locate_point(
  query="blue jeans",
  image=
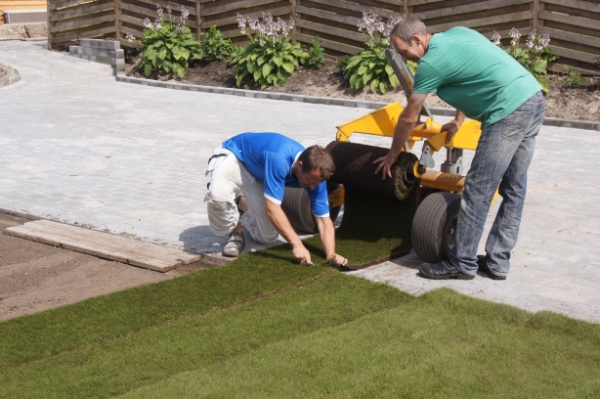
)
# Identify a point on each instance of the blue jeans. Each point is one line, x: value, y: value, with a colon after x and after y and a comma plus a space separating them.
x: 503, y: 155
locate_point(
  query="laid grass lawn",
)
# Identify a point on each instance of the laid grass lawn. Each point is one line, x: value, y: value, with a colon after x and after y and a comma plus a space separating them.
x: 264, y: 327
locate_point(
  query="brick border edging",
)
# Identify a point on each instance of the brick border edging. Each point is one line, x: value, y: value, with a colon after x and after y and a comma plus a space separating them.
x: 110, y: 52
x: 99, y: 50
x: 121, y: 77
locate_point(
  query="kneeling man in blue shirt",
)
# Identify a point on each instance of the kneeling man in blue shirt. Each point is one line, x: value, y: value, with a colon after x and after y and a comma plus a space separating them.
x: 249, y: 174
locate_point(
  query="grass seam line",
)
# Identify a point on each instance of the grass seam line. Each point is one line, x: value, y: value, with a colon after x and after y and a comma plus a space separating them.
x: 189, y: 316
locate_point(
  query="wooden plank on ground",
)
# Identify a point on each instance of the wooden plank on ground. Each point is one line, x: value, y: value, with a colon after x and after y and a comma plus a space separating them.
x: 121, y: 249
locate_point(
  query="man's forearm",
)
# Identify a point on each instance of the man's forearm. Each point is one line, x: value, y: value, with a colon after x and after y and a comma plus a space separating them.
x: 407, y: 121
x: 281, y: 223
x: 459, y: 118
x: 327, y: 232
x: 401, y: 133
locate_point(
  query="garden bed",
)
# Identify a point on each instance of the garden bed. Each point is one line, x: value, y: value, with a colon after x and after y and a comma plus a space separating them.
x: 563, y: 102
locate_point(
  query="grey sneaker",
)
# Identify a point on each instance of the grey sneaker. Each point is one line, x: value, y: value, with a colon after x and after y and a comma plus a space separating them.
x: 234, y: 245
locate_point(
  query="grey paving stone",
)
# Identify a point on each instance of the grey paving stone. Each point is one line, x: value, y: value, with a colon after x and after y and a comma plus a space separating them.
x: 78, y: 114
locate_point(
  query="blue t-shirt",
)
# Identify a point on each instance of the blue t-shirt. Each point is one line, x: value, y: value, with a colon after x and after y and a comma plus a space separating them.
x: 269, y: 158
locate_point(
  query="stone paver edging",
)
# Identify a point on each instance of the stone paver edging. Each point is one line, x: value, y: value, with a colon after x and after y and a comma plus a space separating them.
x: 121, y: 77
x: 109, y: 52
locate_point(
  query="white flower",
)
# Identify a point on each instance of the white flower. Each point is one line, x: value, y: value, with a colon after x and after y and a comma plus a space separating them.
x: 496, y: 38
x: 514, y: 33
x: 531, y: 39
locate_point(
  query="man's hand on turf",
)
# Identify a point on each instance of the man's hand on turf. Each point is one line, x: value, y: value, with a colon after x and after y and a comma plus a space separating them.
x: 301, y: 254
x: 337, y: 260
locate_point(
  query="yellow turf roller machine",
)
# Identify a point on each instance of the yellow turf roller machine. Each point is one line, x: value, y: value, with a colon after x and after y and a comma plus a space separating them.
x: 434, y: 223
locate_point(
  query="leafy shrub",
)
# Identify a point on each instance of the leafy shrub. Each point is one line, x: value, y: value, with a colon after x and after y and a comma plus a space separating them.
x: 316, y: 54
x: 342, y: 63
x: 534, y: 56
x: 168, y: 46
x: 370, y: 67
x: 270, y: 58
x: 573, y: 79
x: 412, y: 66
x: 214, y: 46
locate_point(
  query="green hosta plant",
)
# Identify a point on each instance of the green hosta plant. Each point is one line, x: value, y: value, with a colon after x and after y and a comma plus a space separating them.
x: 270, y: 57
x: 168, y: 46
x: 370, y: 67
x: 534, y: 56
x: 214, y: 46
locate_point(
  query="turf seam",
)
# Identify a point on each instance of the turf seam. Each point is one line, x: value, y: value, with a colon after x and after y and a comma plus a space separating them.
x: 189, y: 316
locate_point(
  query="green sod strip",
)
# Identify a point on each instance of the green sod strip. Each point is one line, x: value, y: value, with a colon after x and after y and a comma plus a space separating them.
x: 44, y: 334
x: 362, y: 241
x: 373, y: 229
x: 441, y: 345
x: 119, y: 365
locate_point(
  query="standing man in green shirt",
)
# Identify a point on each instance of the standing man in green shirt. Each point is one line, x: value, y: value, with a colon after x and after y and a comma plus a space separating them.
x: 484, y: 83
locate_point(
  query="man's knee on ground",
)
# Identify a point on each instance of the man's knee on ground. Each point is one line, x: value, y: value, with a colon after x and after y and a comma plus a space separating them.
x: 223, y: 216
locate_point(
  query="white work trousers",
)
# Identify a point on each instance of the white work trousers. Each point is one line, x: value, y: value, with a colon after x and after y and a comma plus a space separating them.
x: 229, y: 179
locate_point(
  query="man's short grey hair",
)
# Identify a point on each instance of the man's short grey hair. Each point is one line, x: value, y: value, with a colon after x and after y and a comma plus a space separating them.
x: 407, y: 28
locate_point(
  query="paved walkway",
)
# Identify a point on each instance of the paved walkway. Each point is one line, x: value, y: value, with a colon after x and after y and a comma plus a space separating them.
x: 78, y: 147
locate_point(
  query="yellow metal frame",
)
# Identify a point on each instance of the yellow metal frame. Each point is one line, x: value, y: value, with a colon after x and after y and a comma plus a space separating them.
x: 382, y: 122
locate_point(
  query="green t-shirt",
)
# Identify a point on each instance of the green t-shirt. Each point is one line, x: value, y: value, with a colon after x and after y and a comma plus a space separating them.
x: 469, y: 72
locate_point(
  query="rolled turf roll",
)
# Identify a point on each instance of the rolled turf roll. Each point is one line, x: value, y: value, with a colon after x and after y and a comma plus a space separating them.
x: 354, y: 168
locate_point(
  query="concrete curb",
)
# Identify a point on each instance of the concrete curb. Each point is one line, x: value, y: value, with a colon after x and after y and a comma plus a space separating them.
x: 121, y: 77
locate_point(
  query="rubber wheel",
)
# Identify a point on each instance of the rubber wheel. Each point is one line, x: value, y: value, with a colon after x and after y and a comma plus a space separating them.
x: 296, y: 206
x: 434, y: 226
x: 425, y: 191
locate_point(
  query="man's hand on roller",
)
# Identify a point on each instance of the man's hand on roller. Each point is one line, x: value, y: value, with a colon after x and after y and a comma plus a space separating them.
x: 451, y: 128
x: 385, y: 164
